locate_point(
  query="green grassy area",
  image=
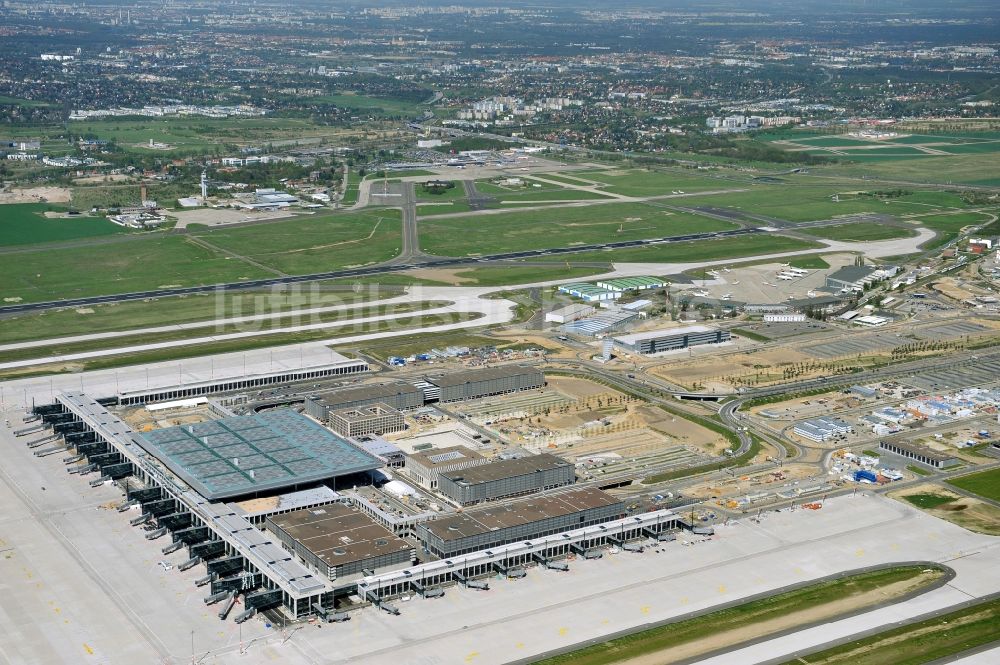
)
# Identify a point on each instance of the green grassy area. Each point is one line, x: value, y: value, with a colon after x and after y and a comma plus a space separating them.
x: 749, y: 334
x: 921, y: 642
x: 304, y: 244
x: 193, y: 135
x: 641, y: 182
x: 549, y: 194
x: 808, y: 199
x: 559, y: 227
x: 25, y: 103
x: 131, y: 266
x: 655, y: 642
x: 985, y: 484
x: 808, y: 262
x: 232, y: 346
x: 696, y: 250
x: 318, y: 243
x: 953, y: 170
x: 514, y: 274
x: 947, y: 227
x: 384, y: 106
x: 425, y: 208
x: 352, y: 191
x: 409, y: 173
x: 26, y: 224
x: 456, y: 193
x: 189, y: 308
x: 919, y: 470
x: 860, y: 232
x: 928, y: 500
x: 210, y: 329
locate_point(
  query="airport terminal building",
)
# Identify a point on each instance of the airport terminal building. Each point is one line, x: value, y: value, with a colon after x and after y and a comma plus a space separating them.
x: 485, y: 527
x: 506, y: 478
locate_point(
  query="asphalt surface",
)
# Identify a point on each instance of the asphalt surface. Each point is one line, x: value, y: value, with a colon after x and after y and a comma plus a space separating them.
x: 366, y: 271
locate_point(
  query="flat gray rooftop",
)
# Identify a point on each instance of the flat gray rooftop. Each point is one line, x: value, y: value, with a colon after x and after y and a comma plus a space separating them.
x: 365, y: 393
x: 484, y: 374
x: 508, y: 468
x: 254, y: 453
x: 516, y: 513
x: 339, y: 534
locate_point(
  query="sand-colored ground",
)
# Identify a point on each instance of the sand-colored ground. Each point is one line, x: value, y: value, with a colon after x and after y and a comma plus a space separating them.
x: 950, y: 288
x: 755, y: 630
x: 966, y: 512
x: 754, y: 483
x: 446, y: 275
x: 712, y: 371
x: 101, y: 179
x: 579, y: 388
x: 35, y: 195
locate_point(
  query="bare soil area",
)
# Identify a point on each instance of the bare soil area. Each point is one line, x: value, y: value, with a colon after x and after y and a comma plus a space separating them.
x: 35, y: 195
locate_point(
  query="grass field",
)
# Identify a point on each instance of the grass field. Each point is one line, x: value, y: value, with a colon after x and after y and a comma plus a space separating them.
x: 299, y: 245
x: 317, y: 243
x: 696, y: 250
x: 232, y: 346
x: 559, y: 227
x: 858, y: 232
x: 212, y: 329
x: 811, y: 200
x: 928, y: 501
x: 131, y: 266
x: 640, y: 182
x: 974, y: 169
x: 655, y: 644
x: 947, y: 227
x: 985, y: 484
x: 180, y: 309
x: 25, y: 224
x: 192, y: 135
x: 921, y: 642
x: 391, y: 107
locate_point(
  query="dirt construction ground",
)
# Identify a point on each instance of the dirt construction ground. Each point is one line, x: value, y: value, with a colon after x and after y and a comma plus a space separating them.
x: 35, y: 195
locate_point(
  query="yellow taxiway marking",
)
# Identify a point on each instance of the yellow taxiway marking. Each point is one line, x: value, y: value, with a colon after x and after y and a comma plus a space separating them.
x: 86, y: 647
x: 859, y: 552
x: 564, y: 631
x: 644, y: 609
x: 519, y: 645
x: 472, y: 656
x: 684, y: 600
x: 722, y: 588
